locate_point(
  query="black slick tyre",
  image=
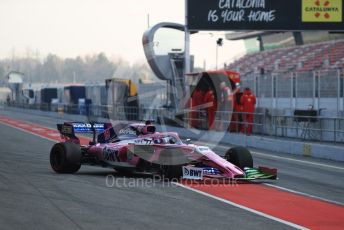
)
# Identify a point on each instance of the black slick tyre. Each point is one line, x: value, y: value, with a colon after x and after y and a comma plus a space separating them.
x: 240, y: 157
x: 65, y: 157
x: 172, y: 171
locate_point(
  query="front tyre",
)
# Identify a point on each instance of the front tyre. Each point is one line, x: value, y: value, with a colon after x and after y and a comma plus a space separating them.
x: 172, y: 171
x: 171, y: 161
x: 240, y: 157
x: 65, y: 157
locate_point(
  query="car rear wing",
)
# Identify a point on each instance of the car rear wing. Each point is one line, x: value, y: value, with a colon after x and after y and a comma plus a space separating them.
x: 69, y: 129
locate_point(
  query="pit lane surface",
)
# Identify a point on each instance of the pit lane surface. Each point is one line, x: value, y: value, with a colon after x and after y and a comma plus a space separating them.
x: 79, y: 200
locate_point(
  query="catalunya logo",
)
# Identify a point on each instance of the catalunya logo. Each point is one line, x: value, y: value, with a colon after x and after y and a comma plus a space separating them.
x: 322, y: 10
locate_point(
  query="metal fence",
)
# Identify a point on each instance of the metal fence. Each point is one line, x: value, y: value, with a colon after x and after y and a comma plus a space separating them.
x: 312, y: 128
x: 289, y: 91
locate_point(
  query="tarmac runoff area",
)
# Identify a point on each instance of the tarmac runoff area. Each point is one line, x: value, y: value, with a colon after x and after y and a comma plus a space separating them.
x: 308, y: 193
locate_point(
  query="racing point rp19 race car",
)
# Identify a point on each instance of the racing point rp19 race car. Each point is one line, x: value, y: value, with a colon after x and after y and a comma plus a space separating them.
x: 138, y: 147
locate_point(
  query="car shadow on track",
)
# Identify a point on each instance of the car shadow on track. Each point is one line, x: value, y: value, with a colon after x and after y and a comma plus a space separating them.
x: 116, y: 174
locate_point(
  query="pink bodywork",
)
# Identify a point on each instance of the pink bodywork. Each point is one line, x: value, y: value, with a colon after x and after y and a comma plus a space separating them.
x: 119, y: 152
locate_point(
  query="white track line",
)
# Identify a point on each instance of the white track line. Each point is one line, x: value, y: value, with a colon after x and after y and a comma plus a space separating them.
x: 36, y: 134
x: 304, y: 194
x: 242, y: 207
x: 299, y: 161
x: 27, y: 131
x: 290, y: 159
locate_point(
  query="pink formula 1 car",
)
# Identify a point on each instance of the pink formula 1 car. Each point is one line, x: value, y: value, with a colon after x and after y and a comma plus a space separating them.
x: 139, y: 148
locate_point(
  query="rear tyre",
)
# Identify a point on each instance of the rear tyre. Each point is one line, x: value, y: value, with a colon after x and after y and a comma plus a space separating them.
x: 124, y: 171
x: 240, y: 157
x: 65, y: 157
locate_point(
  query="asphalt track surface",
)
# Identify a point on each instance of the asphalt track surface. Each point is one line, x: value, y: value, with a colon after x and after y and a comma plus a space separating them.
x: 32, y: 196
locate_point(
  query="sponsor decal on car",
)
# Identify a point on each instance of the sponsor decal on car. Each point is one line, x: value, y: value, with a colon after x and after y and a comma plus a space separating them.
x: 87, y: 127
x: 110, y: 154
x: 203, y: 149
x: 82, y: 125
x: 127, y: 131
x: 145, y: 141
x: 192, y: 173
x: 211, y: 171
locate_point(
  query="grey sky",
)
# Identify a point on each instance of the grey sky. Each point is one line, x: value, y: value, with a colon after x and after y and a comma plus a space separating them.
x: 70, y: 28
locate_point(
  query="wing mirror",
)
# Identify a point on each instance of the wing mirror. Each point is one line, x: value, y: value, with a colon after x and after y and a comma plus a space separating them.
x: 188, y: 141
